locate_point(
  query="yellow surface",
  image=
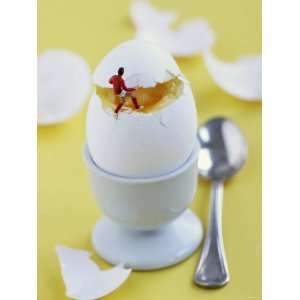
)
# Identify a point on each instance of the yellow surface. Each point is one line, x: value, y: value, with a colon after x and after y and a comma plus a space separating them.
x: 66, y: 208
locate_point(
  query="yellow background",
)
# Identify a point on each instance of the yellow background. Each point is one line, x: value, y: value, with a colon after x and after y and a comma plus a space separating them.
x: 66, y: 206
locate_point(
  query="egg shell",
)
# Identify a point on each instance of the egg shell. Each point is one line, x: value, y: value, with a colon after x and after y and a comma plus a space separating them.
x: 138, y: 58
x: 64, y: 84
x: 241, y: 78
x: 142, y: 145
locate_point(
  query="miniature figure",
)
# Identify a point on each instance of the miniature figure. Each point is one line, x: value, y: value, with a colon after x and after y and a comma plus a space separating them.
x: 121, y: 91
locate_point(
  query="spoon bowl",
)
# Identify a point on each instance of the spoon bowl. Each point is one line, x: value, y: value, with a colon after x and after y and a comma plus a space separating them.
x: 223, y: 149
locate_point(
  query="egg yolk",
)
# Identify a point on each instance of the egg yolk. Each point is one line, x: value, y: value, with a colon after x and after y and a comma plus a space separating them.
x: 150, y: 99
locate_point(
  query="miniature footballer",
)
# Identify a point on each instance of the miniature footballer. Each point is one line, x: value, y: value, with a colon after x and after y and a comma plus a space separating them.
x: 121, y: 91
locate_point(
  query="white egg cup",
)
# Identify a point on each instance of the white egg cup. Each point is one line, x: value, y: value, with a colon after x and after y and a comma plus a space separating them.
x: 147, y: 224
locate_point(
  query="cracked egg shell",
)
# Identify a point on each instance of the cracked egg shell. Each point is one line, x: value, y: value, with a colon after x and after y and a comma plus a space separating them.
x: 140, y: 144
x: 137, y: 58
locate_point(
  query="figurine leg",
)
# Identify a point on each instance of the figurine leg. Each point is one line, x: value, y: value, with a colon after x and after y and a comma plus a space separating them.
x: 119, y: 106
x: 134, y: 101
x: 117, y: 100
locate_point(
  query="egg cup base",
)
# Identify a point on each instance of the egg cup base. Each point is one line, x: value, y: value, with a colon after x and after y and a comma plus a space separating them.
x: 148, y: 249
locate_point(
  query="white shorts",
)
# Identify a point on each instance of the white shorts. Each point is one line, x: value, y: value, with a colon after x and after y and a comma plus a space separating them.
x: 123, y: 94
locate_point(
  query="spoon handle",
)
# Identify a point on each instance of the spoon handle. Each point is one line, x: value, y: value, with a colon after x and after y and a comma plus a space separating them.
x: 212, y: 270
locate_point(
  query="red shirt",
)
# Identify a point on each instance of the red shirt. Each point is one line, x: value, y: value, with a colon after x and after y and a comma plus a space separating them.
x: 118, y: 84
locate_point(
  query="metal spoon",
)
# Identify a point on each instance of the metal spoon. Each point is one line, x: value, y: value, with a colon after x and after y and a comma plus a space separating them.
x: 223, y: 151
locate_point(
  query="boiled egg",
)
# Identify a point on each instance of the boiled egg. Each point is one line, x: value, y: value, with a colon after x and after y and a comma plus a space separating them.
x: 157, y: 138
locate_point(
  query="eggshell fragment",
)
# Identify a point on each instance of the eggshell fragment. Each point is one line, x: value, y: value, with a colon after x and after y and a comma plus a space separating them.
x: 64, y: 83
x: 84, y: 280
x: 145, y: 16
x: 242, y: 78
x: 192, y: 37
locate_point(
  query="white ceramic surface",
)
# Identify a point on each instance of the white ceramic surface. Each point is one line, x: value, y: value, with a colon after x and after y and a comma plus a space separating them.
x: 148, y: 226
x: 147, y: 250
x: 144, y: 203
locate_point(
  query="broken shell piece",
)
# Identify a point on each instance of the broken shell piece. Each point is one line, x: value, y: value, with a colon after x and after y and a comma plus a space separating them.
x: 241, y: 78
x: 83, y: 279
x: 191, y: 38
x: 145, y: 16
x: 64, y: 83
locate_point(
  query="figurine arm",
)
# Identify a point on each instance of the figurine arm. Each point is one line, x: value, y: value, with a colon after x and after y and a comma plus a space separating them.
x: 127, y: 89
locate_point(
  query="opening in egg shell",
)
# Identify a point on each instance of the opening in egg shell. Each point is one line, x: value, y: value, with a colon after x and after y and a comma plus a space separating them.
x: 149, y: 99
